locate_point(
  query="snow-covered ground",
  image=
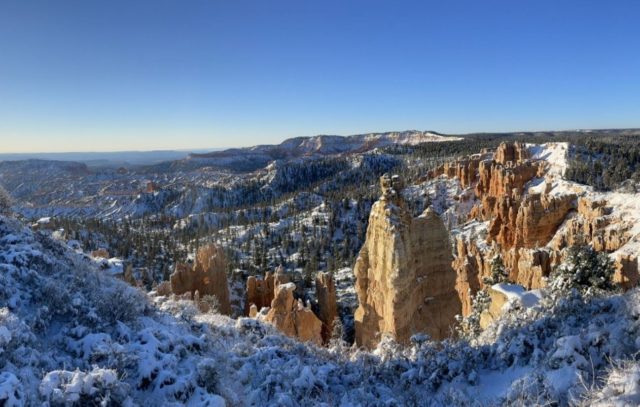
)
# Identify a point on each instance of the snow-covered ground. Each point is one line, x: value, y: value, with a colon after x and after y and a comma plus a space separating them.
x: 625, y: 206
x: 71, y: 334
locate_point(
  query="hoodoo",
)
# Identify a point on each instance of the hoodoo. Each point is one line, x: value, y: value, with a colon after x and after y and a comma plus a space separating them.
x: 292, y: 317
x: 327, y: 303
x: 404, y: 278
x: 207, y: 277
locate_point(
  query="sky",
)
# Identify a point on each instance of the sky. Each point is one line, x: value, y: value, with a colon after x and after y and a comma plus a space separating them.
x: 91, y: 75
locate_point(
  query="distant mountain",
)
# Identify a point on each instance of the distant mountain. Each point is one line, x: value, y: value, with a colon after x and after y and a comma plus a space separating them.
x: 105, y: 159
x: 252, y: 158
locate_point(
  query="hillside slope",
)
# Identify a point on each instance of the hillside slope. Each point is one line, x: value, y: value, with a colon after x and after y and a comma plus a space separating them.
x: 70, y: 334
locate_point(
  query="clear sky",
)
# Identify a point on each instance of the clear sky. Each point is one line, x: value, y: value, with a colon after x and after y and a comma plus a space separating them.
x: 87, y: 75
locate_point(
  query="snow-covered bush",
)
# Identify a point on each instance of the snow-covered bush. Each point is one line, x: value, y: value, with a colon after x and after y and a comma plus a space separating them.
x: 621, y: 387
x: 11, y: 391
x: 208, y: 375
x: 100, y: 387
x: 212, y: 305
x: 122, y: 303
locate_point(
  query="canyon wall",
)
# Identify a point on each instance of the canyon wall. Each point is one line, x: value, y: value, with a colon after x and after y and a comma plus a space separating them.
x: 529, y: 215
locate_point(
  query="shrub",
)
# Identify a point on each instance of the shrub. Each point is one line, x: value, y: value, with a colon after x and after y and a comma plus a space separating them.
x: 121, y: 303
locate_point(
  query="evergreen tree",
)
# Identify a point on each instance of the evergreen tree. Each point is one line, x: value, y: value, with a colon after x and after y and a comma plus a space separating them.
x: 499, y: 274
x: 584, y: 269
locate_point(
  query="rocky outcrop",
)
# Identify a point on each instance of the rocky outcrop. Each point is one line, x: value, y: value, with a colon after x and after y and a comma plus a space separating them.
x: 471, y: 267
x: 164, y: 288
x: 627, y: 272
x: 100, y: 253
x: 404, y: 279
x: 280, y: 277
x: 253, y: 311
x: 539, y: 217
x: 529, y: 221
x: 274, y: 295
x: 207, y: 276
x: 292, y: 318
x: 259, y: 292
x: 511, y: 153
x: 327, y: 303
x: 498, y: 300
x: 532, y: 267
x: 594, y: 224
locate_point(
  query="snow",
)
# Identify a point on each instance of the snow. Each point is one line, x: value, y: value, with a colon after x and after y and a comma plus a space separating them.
x: 10, y: 390
x: 621, y: 389
x: 493, y: 384
x: 516, y: 292
x: 71, y: 333
x: 555, y: 154
x: 80, y: 336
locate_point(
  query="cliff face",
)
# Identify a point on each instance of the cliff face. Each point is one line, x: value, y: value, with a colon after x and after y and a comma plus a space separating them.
x: 207, y: 277
x: 529, y: 214
x: 404, y: 279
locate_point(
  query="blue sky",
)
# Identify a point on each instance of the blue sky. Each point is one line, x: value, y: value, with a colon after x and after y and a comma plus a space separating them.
x: 117, y: 75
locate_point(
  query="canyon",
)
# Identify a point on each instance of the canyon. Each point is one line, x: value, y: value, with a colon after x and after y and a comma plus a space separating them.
x: 415, y: 274
x: 408, y: 277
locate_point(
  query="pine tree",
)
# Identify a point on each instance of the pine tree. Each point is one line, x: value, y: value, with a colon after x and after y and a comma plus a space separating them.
x: 499, y: 274
x: 584, y: 269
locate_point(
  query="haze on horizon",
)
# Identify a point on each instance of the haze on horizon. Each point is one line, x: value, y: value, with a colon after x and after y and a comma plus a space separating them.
x: 163, y: 75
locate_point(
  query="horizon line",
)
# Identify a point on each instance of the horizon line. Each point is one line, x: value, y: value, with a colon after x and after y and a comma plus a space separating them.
x: 211, y: 149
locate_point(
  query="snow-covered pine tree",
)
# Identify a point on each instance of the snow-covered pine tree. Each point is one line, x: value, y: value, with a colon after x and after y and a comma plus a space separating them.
x: 584, y: 269
x: 499, y: 274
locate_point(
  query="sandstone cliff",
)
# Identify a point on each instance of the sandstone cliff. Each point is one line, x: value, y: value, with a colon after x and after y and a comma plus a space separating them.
x: 404, y: 279
x: 529, y: 214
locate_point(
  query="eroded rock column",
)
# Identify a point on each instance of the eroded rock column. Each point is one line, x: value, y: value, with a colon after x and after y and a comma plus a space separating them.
x: 404, y: 278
